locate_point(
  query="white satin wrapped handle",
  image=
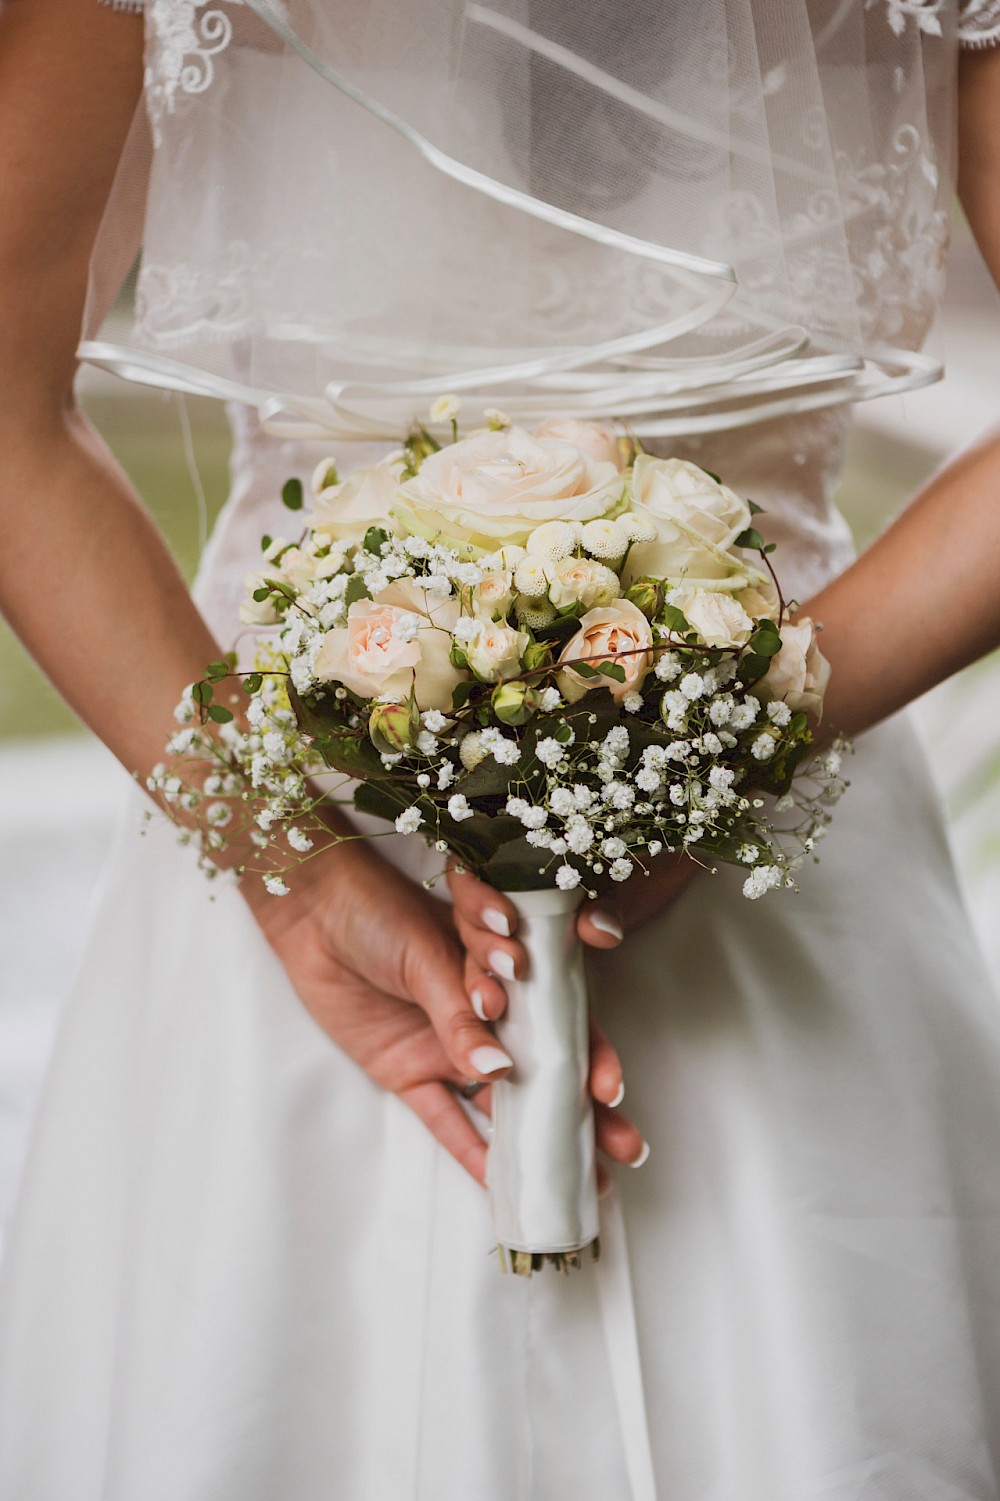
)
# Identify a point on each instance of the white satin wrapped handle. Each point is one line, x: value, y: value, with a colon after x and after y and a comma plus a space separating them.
x: 541, y: 1167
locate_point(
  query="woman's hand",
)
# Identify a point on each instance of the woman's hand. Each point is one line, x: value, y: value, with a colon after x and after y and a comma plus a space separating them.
x: 376, y: 963
x: 487, y: 924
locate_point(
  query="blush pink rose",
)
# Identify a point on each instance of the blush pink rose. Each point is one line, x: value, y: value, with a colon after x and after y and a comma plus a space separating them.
x: 617, y: 633
x: 401, y: 640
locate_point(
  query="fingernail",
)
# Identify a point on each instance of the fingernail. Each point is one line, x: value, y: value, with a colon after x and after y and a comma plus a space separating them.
x: 490, y: 1060
x: 642, y: 1155
x: 501, y: 963
x: 479, y: 1005
x: 497, y: 922
x: 620, y: 1094
x: 605, y: 923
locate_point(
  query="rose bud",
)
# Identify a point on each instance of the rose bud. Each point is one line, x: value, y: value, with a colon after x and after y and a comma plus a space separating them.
x: 391, y: 728
x: 514, y: 703
x: 647, y: 595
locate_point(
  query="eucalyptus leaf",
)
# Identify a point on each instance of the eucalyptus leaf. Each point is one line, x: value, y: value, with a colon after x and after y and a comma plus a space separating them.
x: 292, y: 494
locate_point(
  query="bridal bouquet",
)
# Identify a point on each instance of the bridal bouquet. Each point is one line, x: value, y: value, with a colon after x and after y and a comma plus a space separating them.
x: 556, y: 659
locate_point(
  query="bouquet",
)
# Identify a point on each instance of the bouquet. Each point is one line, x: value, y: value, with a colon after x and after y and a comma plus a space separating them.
x: 557, y: 659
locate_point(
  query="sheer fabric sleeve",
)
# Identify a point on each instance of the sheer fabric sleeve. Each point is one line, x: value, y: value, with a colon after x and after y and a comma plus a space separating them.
x: 979, y: 23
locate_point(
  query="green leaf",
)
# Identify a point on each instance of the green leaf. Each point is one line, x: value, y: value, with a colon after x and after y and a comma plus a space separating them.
x: 675, y: 620
x: 460, y: 693
x: 612, y: 670
x: 216, y: 671
x: 252, y: 682
x: 718, y: 481
x: 374, y: 538
x: 219, y: 714
x: 381, y: 800
x: 356, y: 589
x: 292, y: 495
x: 265, y: 542
x: 765, y: 641
x: 754, y: 508
x: 771, y: 547
x: 750, y: 538
x: 753, y: 666
x: 585, y: 670
x: 202, y: 693
x: 458, y: 659
x: 261, y: 594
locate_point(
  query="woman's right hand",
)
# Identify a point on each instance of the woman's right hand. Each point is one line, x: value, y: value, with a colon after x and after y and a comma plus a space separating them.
x: 375, y: 960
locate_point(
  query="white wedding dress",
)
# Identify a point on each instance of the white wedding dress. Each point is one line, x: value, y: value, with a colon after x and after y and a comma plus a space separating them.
x: 240, y: 1272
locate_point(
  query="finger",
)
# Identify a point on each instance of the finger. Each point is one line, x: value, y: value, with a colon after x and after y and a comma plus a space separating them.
x: 504, y: 957
x: 600, y: 924
x: 481, y: 905
x: 488, y: 997
x: 604, y: 1181
x: 607, y: 1083
x: 448, y: 1123
x: 618, y: 1138
x: 434, y: 980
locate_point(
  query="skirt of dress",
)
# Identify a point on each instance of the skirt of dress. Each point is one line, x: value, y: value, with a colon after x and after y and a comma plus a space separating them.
x: 239, y: 1272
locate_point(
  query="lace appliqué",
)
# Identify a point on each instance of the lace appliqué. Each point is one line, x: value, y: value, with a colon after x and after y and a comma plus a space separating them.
x: 185, y: 38
x: 130, y: 7
x: 979, y: 23
x: 978, y: 20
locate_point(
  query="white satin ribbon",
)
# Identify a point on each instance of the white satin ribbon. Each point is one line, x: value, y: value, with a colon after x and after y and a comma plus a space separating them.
x: 541, y: 1168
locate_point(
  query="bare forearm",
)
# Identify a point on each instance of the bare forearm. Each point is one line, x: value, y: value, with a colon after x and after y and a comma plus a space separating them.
x: 923, y: 601
x: 90, y: 587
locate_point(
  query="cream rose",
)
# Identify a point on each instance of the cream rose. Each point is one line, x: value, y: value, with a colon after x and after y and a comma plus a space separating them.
x: 345, y: 511
x: 718, y: 618
x: 399, y: 641
x: 697, y: 520
x: 799, y: 673
x: 493, y: 596
x: 594, y: 438
x: 494, y: 652
x: 581, y: 581
x: 496, y: 488
x: 614, y: 633
x: 761, y: 600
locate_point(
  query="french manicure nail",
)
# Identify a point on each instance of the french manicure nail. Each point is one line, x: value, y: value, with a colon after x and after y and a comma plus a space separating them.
x: 619, y: 1093
x: 490, y: 1060
x: 497, y: 922
x: 501, y: 963
x: 642, y: 1155
x: 605, y: 923
x: 479, y: 1005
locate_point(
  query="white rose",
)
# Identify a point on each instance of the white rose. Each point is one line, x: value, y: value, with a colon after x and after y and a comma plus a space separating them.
x: 494, y: 652
x: 697, y: 520
x: 346, y: 511
x: 297, y: 568
x: 253, y: 611
x: 377, y: 655
x: 591, y: 437
x: 497, y: 487
x: 799, y: 673
x: 582, y: 581
x: 718, y: 618
x: 493, y: 596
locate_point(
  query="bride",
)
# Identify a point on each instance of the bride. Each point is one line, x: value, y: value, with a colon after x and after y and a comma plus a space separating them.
x: 250, y: 1259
